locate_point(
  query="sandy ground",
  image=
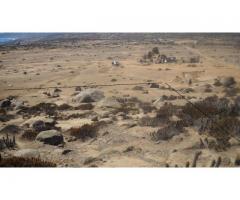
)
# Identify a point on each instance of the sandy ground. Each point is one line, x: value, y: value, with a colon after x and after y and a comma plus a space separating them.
x: 119, y: 144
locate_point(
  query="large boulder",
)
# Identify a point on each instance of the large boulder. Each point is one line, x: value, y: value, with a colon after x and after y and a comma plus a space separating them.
x: 6, y: 103
x: 11, y: 102
x: 227, y: 81
x: 51, y: 137
x: 39, y: 124
x: 88, y: 96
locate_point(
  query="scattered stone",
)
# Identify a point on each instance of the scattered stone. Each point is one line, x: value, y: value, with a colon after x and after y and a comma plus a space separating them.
x: 66, y: 151
x: 51, y: 137
x: 128, y: 149
x: 115, y: 63
x: 94, y: 118
x: 217, y: 82
x: 88, y: 96
x: 227, y: 81
x: 6, y: 103
x: 154, y: 85
x: 39, y: 124
x: 106, y: 120
x: 78, y: 88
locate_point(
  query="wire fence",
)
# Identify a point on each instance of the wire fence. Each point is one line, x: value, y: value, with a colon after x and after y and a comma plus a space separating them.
x: 203, y: 113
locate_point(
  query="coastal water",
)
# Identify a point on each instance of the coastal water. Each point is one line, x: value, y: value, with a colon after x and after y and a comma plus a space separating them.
x: 4, y: 40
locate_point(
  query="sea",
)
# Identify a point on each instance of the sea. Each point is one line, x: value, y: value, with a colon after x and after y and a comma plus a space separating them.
x: 4, y: 40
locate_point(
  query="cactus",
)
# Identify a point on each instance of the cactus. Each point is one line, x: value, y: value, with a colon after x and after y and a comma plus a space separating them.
x: 7, y: 142
x: 218, y: 163
x: 213, y: 163
x: 196, y: 156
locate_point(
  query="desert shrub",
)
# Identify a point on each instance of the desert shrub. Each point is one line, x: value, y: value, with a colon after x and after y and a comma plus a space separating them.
x: 195, y: 60
x: 7, y: 142
x: 146, y: 107
x: 85, y: 106
x: 24, y: 162
x: 152, y: 121
x: 29, y: 134
x: 65, y: 107
x: 11, y: 129
x: 162, y: 116
x: 85, y: 132
x: 167, y: 110
x: 128, y: 105
x: 231, y: 92
x: 210, y: 106
x: 47, y: 108
x: 149, y: 55
x: 155, y: 50
x: 165, y: 133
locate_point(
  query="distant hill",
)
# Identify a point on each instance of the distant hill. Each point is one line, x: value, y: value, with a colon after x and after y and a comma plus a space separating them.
x: 31, y: 38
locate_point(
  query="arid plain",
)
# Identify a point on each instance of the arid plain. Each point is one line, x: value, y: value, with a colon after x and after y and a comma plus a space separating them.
x: 170, y: 101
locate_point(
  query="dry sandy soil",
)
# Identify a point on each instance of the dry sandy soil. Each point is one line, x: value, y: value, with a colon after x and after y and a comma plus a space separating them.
x: 120, y: 141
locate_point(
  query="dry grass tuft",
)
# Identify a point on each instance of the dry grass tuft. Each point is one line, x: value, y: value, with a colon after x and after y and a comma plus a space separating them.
x: 24, y: 162
x: 86, y: 131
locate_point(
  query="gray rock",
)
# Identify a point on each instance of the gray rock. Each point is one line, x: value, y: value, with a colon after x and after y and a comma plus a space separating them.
x: 51, y: 137
x: 6, y: 103
x: 227, y: 81
x: 88, y: 96
x: 154, y: 85
x: 66, y: 151
x: 41, y: 123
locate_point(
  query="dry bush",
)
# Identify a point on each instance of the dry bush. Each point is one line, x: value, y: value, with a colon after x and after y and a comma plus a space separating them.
x: 195, y: 60
x: 167, y: 110
x: 162, y: 116
x: 29, y: 134
x: 65, y: 107
x: 86, y: 131
x: 155, y: 50
x: 47, y: 108
x: 85, y: 106
x: 213, y: 116
x: 211, y: 106
x: 149, y: 55
x: 146, y: 107
x: 152, y: 121
x: 231, y: 91
x: 165, y: 133
x: 24, y: 162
